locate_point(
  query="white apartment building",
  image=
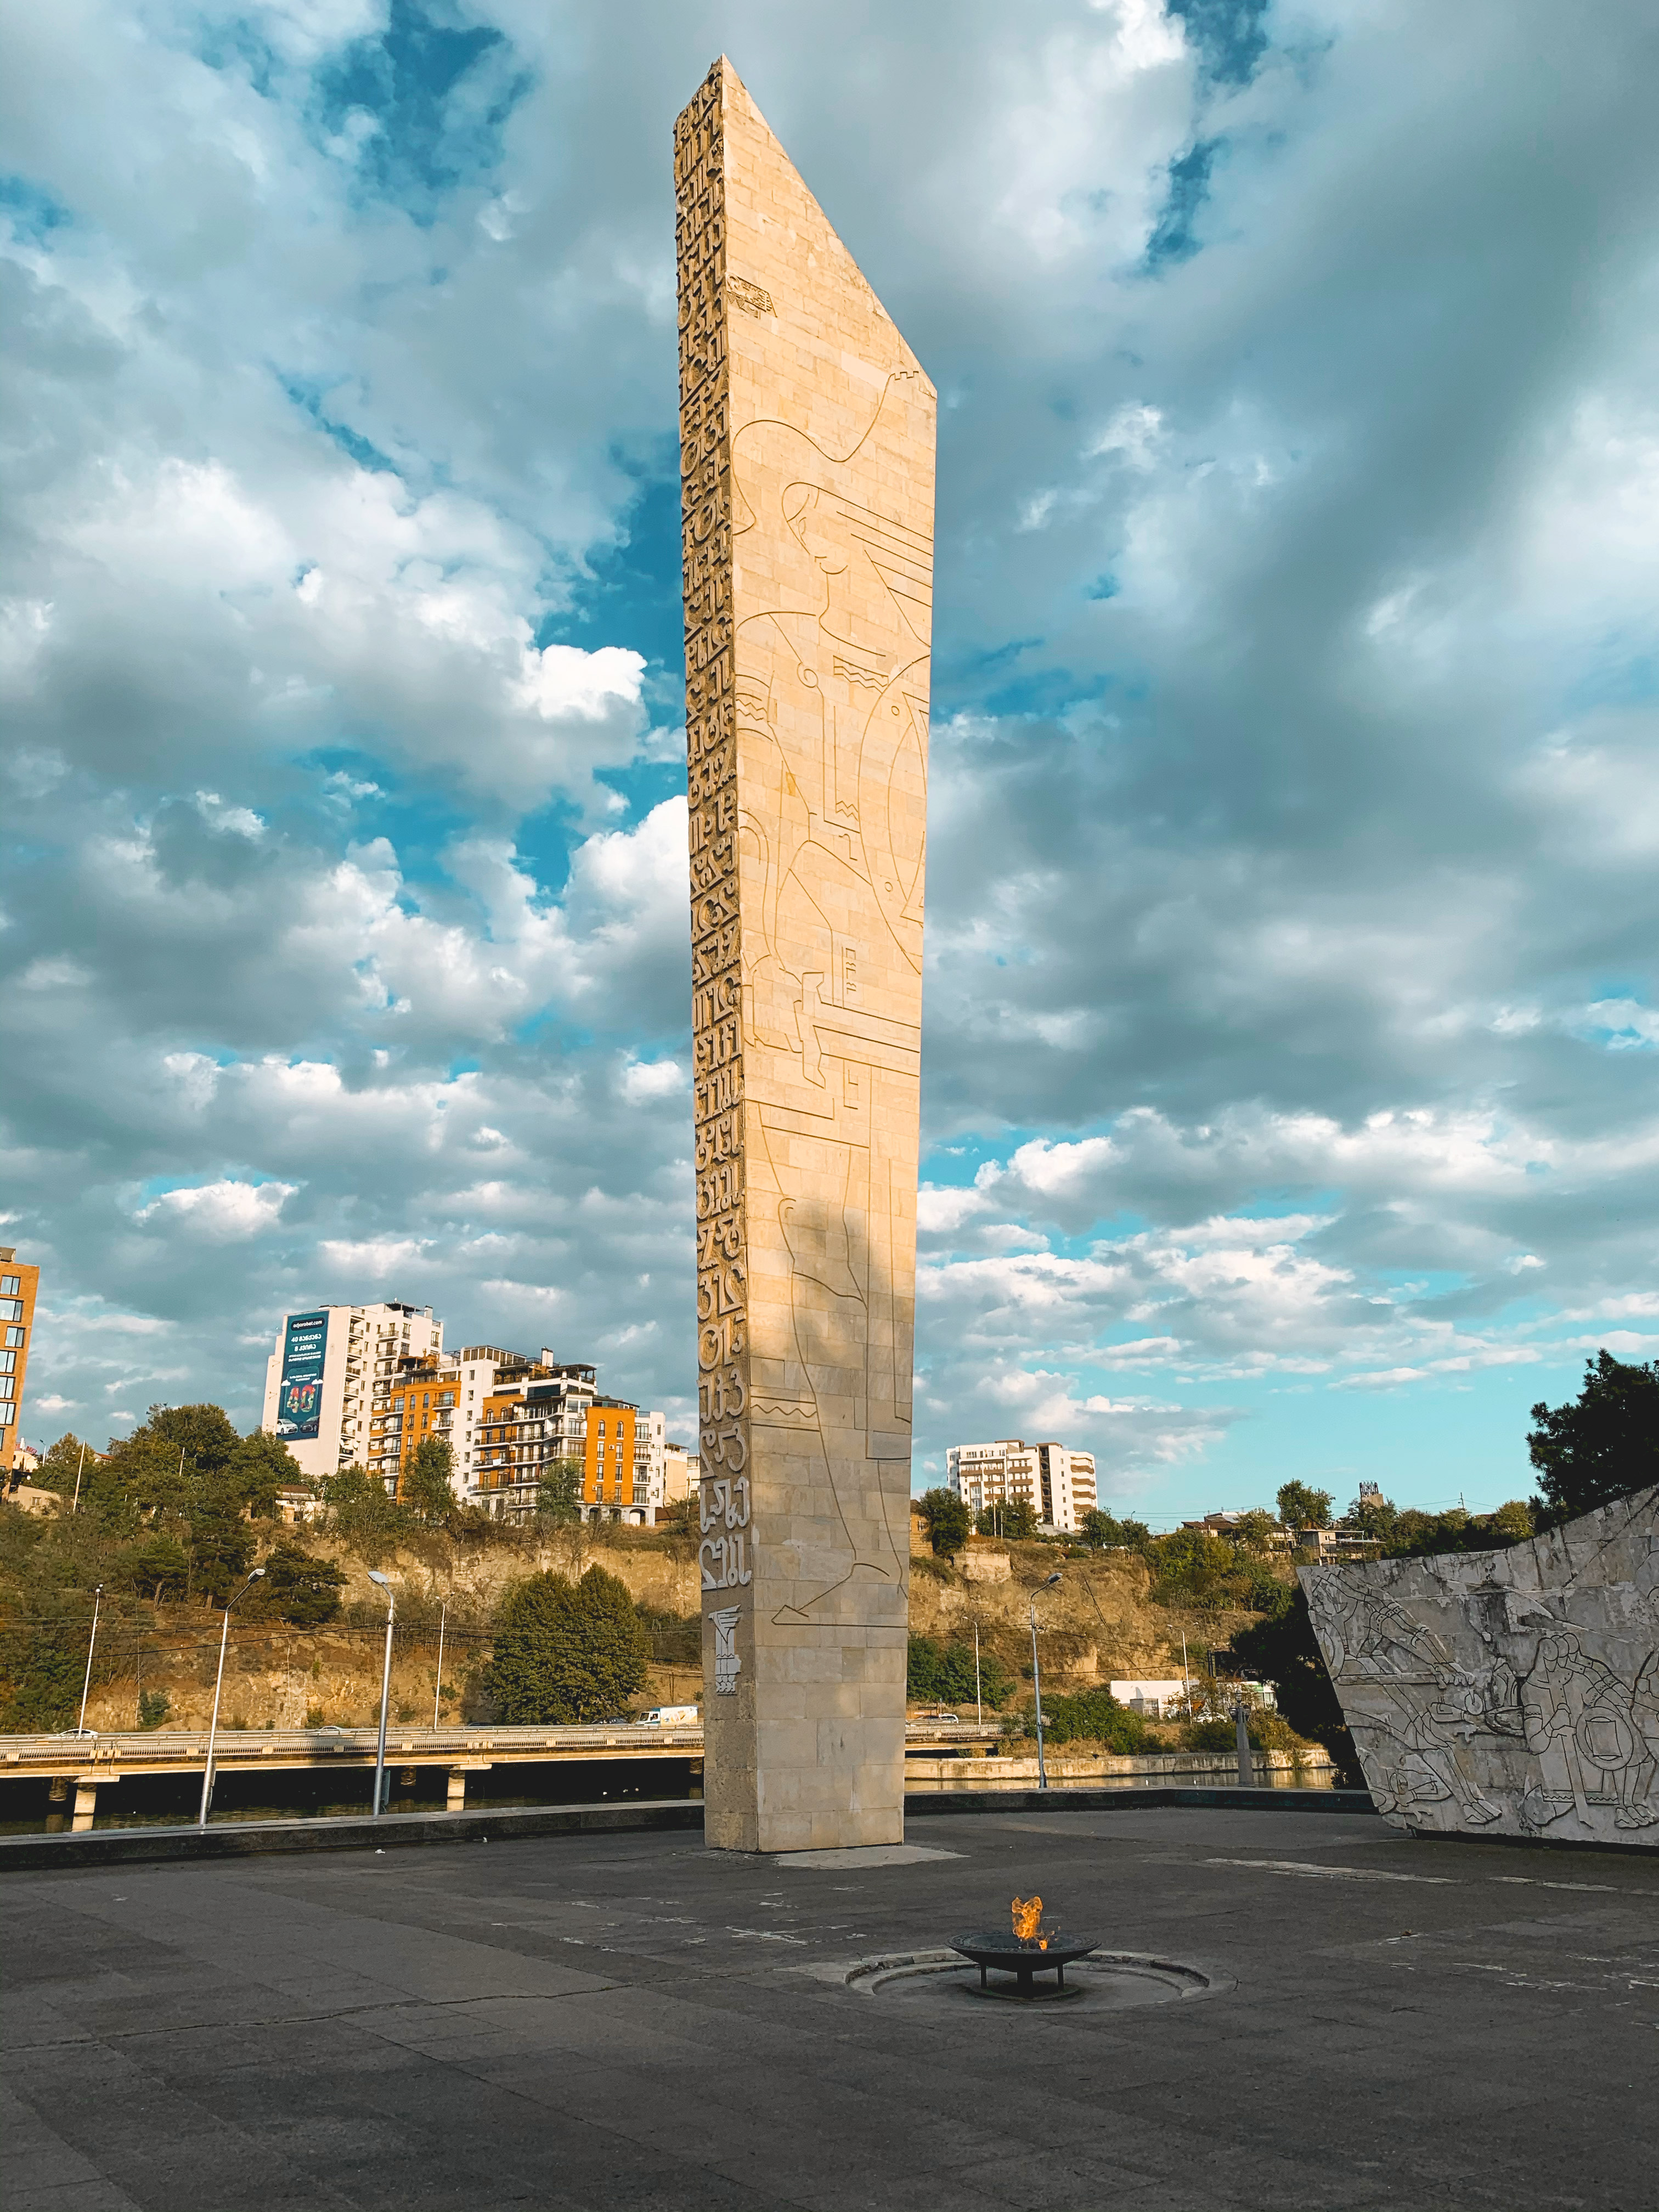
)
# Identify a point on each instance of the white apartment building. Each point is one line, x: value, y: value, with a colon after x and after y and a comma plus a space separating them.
x: 1057, y: 1483
x: 650, y: 1464
x: 320, y: 1377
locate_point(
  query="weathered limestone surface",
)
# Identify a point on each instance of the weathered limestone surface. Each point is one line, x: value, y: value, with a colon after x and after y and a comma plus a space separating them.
x: 807, y: 432
x: 1507, y: 1692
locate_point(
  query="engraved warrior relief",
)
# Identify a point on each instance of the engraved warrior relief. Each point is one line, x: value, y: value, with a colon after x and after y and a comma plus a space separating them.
x: 1500, y: 1697
x: 831, y: 714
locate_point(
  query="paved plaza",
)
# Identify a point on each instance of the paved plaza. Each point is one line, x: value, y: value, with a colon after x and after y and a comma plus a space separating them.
x: 631, y: 2020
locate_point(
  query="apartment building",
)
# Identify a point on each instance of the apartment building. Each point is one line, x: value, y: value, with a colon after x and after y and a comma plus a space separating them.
x: 1057, y: 1483
x: 677, y: 1481
x: 526, y: 1429
x: 363, y: 1385
x: 529, y: 1427
x: 20, y: 1284
x: 446, y: 1394
x: 322, y: 1377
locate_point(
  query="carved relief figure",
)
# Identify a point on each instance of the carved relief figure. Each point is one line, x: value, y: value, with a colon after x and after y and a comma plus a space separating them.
x: 831, y: 702
x: 1517, y: 1687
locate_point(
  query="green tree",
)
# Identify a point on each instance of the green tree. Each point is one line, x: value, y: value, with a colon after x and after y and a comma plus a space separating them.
x: 1514, y: 1521
x: 427, y: 1489
x: 940, y: 1673
x: 946, y: 1520
x: 297, y: 1587
x: 360, y: 1507
x: 1299, y: 1507
x: 154, y: 1706
x: 261, y: 1466
x: 1104, y: 1532
x: 42, y: 1661
x: 1012, y: 1519
x: 1603, y: 1445
x: 221, y: 1552
x: 1193, y: 1566
x: 1414, y: 1535
x: 157, y: 1566
x: 176, y: 1459
x: 64, y: 1463
x: 565, y: 1653
x: 558, y: 1494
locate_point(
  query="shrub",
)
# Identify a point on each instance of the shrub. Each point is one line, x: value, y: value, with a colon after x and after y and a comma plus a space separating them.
x: 1088, y: 1717
x: 154, y: 1706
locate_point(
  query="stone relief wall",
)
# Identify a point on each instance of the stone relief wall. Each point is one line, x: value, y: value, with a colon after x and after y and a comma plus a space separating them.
x: 807, y: 432
x: 1507, y: 1692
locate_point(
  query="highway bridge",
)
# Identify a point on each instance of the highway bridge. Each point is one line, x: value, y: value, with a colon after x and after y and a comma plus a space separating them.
x: 82, y: 1767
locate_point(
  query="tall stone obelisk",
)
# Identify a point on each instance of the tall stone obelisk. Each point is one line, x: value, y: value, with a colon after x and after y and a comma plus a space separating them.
x: 807, y: 430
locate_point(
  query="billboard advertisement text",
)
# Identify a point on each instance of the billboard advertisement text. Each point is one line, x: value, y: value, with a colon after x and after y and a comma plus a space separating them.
x: 300, y: 1396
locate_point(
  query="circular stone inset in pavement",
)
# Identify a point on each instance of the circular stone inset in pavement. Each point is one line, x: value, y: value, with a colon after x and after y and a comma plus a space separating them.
x: 1106, y: 1981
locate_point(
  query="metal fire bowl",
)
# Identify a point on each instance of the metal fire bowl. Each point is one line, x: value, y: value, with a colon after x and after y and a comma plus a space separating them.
x: 1008, y: 1955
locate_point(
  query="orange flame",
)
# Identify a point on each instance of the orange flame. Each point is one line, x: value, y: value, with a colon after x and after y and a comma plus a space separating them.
x: 1027, y: 1917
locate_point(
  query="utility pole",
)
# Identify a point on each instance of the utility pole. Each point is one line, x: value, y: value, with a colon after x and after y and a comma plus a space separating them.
x: 1037, y: 1682
x: 79, y: 1470
x: 979, y: 1702
x: 443, y: 1615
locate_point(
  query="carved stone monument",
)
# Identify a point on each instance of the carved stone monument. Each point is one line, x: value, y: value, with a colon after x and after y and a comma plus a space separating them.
x: 1507, y: 1692
x: 807, y: 432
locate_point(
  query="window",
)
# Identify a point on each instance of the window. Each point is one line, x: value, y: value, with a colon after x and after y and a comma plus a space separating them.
x: 10, y: 1284
x: 7, y: 1362
x: 14, y: 1336
x: 11, y: 1310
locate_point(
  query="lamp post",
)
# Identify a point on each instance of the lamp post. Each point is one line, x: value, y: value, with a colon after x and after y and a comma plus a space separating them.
x: 374, y: 1576
x: 218, y: 1685
x: 92, y: 1645
x: 1036, y: 1680
x: 443, y: 1615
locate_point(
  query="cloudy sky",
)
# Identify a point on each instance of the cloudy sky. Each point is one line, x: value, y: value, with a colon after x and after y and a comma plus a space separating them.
x: 1289, y: 1097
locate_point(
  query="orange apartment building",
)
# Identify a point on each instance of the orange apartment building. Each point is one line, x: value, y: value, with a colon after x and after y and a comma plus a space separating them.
x: 608, y: 1454
x: 19, y: 1284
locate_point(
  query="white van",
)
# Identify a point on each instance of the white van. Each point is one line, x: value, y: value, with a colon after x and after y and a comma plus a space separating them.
x: 670, y: 1716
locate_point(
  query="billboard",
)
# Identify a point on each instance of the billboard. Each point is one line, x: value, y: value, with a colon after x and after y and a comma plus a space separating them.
x: 300, y: 1395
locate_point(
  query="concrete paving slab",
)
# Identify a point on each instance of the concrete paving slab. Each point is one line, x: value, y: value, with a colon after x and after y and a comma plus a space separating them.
x: 626, y: 2019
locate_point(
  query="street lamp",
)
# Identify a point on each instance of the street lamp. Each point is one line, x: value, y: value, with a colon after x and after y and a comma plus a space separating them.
x: 92, y: 1645
x: 219, y: 1681
x: 1036, y: 1680
x: 375, y: 1576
